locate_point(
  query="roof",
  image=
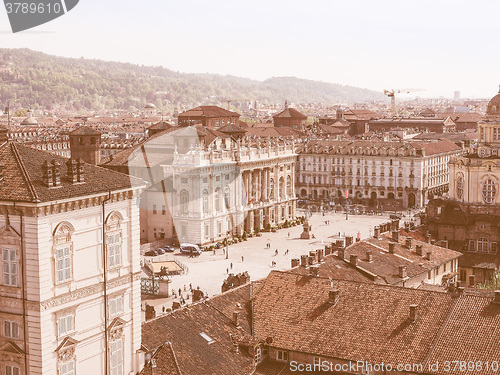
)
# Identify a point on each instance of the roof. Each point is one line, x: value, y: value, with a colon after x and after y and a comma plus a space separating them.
x: 85, y: 130
x: 163, y: 362
x: 371, y: 320
x: 291, y: 113
x: 478, y: 260
x: 213, y: 317
x: 23, y: 177
x: 439, y: 147
x: 274, y: 132
x: 161, y: 125
x: 208, y: 111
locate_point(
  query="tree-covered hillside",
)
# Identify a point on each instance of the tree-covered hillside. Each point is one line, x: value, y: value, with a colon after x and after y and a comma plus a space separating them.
x: 34, y: 79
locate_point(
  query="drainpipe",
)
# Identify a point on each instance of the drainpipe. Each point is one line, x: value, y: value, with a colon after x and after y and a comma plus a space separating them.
x: 105, y: 280
x: 23, y: 288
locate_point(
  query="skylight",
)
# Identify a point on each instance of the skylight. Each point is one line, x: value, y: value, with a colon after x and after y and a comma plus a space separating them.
x: 207, y: 337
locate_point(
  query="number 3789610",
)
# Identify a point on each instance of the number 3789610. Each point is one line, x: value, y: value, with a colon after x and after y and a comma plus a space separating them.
x: 33, y: 8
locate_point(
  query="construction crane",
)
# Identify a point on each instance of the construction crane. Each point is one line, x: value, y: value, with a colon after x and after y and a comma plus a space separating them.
x: 392, y: 94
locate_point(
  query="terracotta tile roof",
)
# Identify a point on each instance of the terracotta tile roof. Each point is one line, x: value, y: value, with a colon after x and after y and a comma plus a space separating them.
x: 161, y: 125
x: 470, y: 334
x: 477, y: 260
x: 291, y: 113
x: 85, y: 130
x: 275, y: 132
x: 23, y: 177
x: 163, y: 362
x: 372, y: 321
x: 432, y: 148
x: 194, y: 354
x: 208, y: 111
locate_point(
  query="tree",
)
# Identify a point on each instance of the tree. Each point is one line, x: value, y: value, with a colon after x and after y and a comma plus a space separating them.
x: 22, y: 112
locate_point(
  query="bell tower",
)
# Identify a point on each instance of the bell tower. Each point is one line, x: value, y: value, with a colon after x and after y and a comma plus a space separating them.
x: 85, y: 144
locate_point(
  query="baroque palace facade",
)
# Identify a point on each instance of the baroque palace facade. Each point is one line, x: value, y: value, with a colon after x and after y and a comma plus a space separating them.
x: 469, y: 219
x: 386, y: 175
x: 226, y: 187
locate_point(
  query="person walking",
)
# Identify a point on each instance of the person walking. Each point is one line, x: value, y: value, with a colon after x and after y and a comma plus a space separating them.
x: 231, y: 265
x: 242, y: 259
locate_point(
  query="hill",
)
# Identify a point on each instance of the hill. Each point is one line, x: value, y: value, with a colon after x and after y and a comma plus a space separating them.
x: 56, y: 83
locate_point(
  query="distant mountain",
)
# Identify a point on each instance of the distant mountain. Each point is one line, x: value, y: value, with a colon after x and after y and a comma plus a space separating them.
x: 56, y: 83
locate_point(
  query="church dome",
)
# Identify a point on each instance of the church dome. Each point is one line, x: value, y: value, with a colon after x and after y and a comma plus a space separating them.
x: 493, y: 108
x: 30, y: 120
x: 149, y: 106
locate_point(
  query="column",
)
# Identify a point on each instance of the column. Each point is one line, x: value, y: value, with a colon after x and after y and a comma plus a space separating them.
x: 264, y: 184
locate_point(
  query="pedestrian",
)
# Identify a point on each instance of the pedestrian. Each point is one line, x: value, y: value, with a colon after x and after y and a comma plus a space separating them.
x: 242, y: 259
x: 288, y: 234
x: 180, y: 291
x: 231, y: 265
x: 227, y: 270
x: 190, y: 287
x: 184, y: 287
x: 276, y: 252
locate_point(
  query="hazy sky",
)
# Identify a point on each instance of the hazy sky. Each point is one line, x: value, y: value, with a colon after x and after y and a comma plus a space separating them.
x: 437, y: 45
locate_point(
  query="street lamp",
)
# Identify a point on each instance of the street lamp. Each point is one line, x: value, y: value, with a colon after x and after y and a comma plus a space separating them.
x: 227, y: 246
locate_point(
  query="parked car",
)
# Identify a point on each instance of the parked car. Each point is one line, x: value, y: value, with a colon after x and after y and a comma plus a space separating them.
x: 151, y: 253
x: 188, y: 248
x: 168, y: 249
x: 160, y: 251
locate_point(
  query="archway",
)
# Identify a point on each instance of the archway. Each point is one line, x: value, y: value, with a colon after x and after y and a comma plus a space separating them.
x: 373, y: 198
x: 314, y: 194
x: 390, y: 196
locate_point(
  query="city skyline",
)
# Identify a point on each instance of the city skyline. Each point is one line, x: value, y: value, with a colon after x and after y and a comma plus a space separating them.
x: 439, y: 47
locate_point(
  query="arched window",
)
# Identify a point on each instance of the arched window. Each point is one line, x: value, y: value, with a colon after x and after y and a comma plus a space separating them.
x: 271, y: 193
x: 288, y: 186
x: 205, y: 201
x: 63, y: 252
x: 227, y: 197
x: 460, y: 186
x: 489, y: 191
x: 114, y: 239
x: 217, y: 200
x: 184, y: 202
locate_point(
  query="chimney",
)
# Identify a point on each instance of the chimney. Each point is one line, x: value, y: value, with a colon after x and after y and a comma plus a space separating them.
x: 349, y: 240
x: 303, y: 260
x: 3, y: 134
x: 472, y: 280
x: 319, y: 254
x: 72, y: 173
x: 392, y: 245
x: 444, y: 243
x: 354, y: 260
x: 328, y: 249
x: 459, y: 284
x: 461, y: 290
x: 333, y: 296
x: 56, y: 173
x: 408, y: 242
x: 413, y: 313
x: 295, y: 262
x: 47, y: 174
x: 376, y: 232
x: 341, y: 253
x: 395, y: 235
x: 451, y: 287
x: 428, y: 238
x: 369, y: 256
x: 429, y: 256
x: 79, y: 170
x: 420, y: 250
x: 402, y: 272
x: 236, y: 318
x: 433, y: 242
x: 310, y: 260
x: 312, y: 255
x: 314, y: 271
x: 497, y: 297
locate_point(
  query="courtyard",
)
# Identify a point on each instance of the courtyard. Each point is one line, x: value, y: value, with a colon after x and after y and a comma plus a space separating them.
x: 209, y: 270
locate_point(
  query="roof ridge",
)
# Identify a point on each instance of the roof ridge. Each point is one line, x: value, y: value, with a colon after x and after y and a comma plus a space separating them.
x: 175, y: 357
x: 19, y: 160
x: 426, y: 362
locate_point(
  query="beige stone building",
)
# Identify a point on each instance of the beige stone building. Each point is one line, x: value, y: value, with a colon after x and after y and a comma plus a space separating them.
x: 70, y: 285
x: 385, y: 175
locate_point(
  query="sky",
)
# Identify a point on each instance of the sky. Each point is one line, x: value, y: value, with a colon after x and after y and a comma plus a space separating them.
x: 435, y: 46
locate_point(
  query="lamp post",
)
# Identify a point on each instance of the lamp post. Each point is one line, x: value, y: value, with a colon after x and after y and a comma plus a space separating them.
x: 227, y: 246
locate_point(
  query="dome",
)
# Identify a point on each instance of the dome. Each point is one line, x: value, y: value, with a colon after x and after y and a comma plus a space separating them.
x: 493, y: 108
x: 149, y: 106
x: 30, y: 120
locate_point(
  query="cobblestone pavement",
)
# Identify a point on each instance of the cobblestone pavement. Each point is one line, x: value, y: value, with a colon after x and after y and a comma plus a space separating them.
x: 208, y: 271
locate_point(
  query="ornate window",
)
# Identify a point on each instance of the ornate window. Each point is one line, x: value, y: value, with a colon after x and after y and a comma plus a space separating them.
x: 289, y: 186
x: 227, y: 197
x: 217, y: 200
x: 9, y: 267
x: 11, y: 329
x: 114, y: 239
x: 66, y: 323
x: 67, y: 368
x: 205, y: 201
x: 115, y: 304
x: 66, y: 356
x: 12, y: 370
x: 184, y: 202
x: 63, y: 252
x: 489, y: 191
x: 460, y: 186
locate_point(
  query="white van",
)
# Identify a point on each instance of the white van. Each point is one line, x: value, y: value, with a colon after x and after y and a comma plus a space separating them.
x: 189, y: 248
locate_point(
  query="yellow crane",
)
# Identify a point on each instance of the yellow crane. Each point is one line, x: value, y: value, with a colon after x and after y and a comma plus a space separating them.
x: 392, y: 94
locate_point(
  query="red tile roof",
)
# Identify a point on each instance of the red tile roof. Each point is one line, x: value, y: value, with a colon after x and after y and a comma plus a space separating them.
x: 208, y: 111
x: 23, y: 177
x: 291, y: 113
